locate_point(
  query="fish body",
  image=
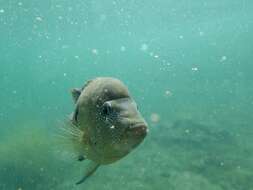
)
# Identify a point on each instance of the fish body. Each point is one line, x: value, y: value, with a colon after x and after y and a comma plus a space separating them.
x: 108, y: 120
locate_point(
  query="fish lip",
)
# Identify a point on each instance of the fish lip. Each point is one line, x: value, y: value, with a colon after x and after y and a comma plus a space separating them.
x: 139, y: 129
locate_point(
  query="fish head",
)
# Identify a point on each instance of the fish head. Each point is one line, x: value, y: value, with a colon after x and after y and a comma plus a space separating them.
x: 110, y: 118
x: 123, y: 116
x: 123, y: 125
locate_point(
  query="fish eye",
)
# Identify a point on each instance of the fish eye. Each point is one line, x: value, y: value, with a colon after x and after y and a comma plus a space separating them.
x: 106, y: 109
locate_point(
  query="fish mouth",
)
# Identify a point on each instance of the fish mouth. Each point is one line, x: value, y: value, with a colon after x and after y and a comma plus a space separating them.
x: 138, y: 130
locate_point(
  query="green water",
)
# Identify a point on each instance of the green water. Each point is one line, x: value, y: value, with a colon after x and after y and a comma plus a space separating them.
x: 187, y: 61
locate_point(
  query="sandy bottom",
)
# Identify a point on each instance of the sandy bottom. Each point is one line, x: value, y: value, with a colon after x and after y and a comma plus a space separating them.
x: 179, y: 155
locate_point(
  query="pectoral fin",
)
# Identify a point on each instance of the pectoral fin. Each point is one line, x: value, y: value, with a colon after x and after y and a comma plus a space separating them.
x: 91, y: 169
x: 81, y: 158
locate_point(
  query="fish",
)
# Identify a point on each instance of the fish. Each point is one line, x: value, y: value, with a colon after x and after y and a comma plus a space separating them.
x: 106, y: 124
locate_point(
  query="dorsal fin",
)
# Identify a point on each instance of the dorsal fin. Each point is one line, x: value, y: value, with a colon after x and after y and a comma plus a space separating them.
x: 87, y: 83
x: 76, y: 92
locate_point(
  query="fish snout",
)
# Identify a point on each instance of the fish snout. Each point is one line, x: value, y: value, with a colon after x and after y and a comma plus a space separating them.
x: 139, y: 129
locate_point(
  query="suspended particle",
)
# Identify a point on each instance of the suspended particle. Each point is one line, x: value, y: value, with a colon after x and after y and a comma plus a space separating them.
x: 144, y: 47
x: 223, y: 58
x: 38, y: 18
x: 154, y: 117
x: 103, y: 17
x: 94, y: 51
x: 65, y: 46
x: 168, y: 93
x: 122, y: 48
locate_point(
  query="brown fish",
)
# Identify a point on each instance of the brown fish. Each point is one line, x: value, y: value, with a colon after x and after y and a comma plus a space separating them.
x: 106, y: 123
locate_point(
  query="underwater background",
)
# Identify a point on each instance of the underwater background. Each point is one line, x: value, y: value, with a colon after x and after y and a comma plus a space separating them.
x: 187, y: 63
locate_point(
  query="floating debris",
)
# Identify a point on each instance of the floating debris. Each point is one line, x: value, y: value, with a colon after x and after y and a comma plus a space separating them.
x: 144, y: 47
x: 38, y: 18
x: 201, y: 33
x: 187, y: 131
x: 102, y: 17
x: 154, y: 117
x: 223, y: 58
x: 181, y: 37
x: 94, y: 51
x: 122, y: 48
x: 65, y: 46
x: 168, y: 93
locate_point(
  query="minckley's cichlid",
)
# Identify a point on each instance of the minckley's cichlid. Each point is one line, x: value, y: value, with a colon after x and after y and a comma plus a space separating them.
x: 106, y: 123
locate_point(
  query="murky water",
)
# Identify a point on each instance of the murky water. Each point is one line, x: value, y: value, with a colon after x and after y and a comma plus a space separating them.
x: 187, y: 63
